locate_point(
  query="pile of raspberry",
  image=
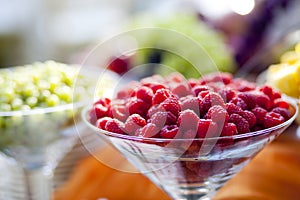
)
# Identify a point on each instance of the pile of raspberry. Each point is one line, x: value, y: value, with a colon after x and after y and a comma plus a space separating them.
x: 173, y: 107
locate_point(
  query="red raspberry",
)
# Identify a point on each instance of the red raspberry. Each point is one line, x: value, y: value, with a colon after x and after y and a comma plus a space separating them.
x: 145, y: 93
x: 163, y: 118
x: 248, y: 98
x: 276, y: 94
x: 120, y: 65
x: 229, y: 129
x: 119, y: 112
x: 199, y: 88
x: 102, y: 122
x: 172, y: 105
x: 267, y: 90
x: 181, y: 90
x: 242, y: 124
x: 114, y: 126
x: 169, y: 131
x: 152, y: 79
x: 232, y: 108
x: 239, y: 102
x: 175, y: 77
x: 263, y: 101
x: 138, y: 106
x: 206, y: 128
x: 203, y: 93
x: 272, y: 119
x: 260, y: 114
x: 134, y: 122
x: 128, y: 91
x: 249, y: 116
x: 187, y: 120
x: 210, y: 100
x: 281, y: 103
x: 242, y: 85
x: 154, y: 109
x: 101, y: 107
x: 218, y: 114
x: 161, y: 95
x: 193, y: 82
x: 192, y: 103
x: 283, y: 112
x: 227, y: 94
x: 149, y: 131
x: 216, y: 77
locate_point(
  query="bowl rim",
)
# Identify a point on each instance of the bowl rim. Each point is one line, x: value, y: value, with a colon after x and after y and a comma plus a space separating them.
x: 86, y: 109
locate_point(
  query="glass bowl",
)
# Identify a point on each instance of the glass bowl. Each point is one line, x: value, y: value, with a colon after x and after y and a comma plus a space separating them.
x: 191, y: 168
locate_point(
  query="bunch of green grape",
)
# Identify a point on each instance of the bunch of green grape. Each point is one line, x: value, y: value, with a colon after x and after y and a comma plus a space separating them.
x: 27, y: 94
x: 38, y: 85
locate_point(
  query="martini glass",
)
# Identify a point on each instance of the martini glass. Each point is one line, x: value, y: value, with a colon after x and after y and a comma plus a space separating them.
x: 191, y: 168
x: 37, y: 140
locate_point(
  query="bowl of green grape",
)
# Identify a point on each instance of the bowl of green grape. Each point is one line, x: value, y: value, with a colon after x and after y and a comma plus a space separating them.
x: 39, y: 106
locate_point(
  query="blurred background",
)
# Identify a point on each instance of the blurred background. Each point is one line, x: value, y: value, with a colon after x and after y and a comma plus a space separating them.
x: 38, y: 30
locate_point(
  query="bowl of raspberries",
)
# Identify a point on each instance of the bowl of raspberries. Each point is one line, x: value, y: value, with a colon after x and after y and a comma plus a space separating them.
x: 190, y: 132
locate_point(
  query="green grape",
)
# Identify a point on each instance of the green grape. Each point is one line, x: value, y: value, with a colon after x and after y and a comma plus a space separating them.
x: 52, y: 100
x: 31, y: 101
x: 16, y: 103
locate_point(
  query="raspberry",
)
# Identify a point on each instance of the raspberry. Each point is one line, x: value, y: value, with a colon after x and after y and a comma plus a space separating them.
x: 102, y: 122
x: 232, y: 108
x: 239, y: 102
x: 283, y: 112
x: 138, y: 106
x: 187, y: 120
x: 149, y: 130
x: 260, y: 114
x: 210, y: 100
x: 263, y: 101
x: 281, y: 103
x: 218, y: 114
x: 193, y: 82
x: 248, y: 98
x: 249, y: 116
x: 229, y: 129
x: 216, y: 77
x: 119, y: 112
x: 272, y: 119
x: 227, y: 94
x: 128, y: 91
x: 206, y: 128
x: 203, y: 93
x: 191, y: 103
x: 101, y: 107
x: 114, y: 126
x: 242, y: 124
x: 267, y: 90
x: 199, y: 88
x: 161, y: 95
x: 172, y: 105
x: 154, y: 109
x: 145, y: 93
x: 120, y: 65
x: 169, y: 131
x: 134, y: 122
x: 242, y: 85
x: 162, y: 118
x: 175, y: 77
x: 181, y: 90
x: 276, y: 94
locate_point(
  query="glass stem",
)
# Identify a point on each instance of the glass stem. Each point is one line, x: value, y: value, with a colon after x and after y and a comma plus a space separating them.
x: 38, y: 183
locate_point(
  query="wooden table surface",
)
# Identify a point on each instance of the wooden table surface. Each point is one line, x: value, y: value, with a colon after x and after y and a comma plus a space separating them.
x: 273, y: 174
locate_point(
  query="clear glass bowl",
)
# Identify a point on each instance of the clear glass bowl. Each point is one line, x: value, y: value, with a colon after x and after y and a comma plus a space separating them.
x: 191, y: 168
